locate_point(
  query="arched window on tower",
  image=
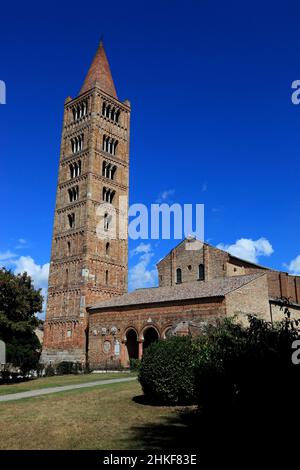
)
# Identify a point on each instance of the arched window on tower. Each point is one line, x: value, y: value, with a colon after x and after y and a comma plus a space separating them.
x: 108, y: 195
x: 108, y: 170
x: 106, y: 221
x: 107, y: 247
x: 114, y: 147
x: 69, y: 248
x: 71, y: 220
x: 106, y: 277
x: 201, y: 273
x: 75, y: 169
x: 80, y: 110
x: 73, y: 193
x: 111, y: 196
x: 109, y: 145
x: 113, y: 170
x: 178, y: 276
x: 104, y: 166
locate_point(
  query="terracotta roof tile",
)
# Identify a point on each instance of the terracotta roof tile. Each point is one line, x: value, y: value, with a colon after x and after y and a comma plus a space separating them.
x: 99, y: 72
x: 190, y: 290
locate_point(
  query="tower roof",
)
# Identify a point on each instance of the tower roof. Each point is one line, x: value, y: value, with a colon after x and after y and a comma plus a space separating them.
x: 99, y: 72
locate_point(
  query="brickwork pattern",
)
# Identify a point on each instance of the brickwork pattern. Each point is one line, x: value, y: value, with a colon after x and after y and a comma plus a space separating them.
x: 83, y: 267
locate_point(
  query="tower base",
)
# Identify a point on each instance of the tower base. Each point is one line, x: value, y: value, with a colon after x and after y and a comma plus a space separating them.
x: 54, y: 356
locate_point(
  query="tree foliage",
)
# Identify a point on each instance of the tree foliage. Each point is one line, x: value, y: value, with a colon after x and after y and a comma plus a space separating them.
x: 19, y: 303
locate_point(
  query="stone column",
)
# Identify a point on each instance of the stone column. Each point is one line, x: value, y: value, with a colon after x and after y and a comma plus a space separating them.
x: 140, y: 349
x: 123, y: 353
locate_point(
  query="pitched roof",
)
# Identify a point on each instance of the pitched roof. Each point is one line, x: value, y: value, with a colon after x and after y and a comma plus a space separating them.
x: 191, y: 290
x: 193, y: 239
x: 99, y: 72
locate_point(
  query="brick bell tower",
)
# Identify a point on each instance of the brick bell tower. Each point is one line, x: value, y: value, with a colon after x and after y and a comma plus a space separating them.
x: 93, y: 170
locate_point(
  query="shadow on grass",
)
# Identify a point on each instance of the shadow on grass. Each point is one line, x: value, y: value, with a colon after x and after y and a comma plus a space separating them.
x: 178, y: 429
x: 213, y: 433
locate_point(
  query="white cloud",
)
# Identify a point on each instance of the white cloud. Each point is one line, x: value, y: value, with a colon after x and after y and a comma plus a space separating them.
x: 142, y: 274
x: 39, y: 273
x: 294, y: 265
x: 7, y: 256
x: 248, y: 249
x: 204, y: 187
x: 21, y: 243
x: 141, y: 248
x: 165, y: 195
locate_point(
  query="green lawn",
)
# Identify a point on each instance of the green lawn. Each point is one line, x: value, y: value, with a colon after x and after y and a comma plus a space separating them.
x: 103, y: 417
x: 57, y: 381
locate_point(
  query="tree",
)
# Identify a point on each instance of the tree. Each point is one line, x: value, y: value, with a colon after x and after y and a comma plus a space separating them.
x: 19, y: 303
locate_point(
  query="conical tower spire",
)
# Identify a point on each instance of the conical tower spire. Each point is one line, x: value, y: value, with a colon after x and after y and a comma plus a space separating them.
x: 99, y: 72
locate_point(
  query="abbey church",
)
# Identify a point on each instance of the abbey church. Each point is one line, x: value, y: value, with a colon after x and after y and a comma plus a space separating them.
x: 90, y: 316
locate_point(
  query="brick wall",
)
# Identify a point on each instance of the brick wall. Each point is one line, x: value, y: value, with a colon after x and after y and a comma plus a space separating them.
x: 161, y: 317
x: 278, y: 312
x: 251, y: 298
x: 79, y: 259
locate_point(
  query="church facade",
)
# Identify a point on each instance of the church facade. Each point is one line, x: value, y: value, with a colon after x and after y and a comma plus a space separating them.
x: 90, y: 316
x: 197, y: 284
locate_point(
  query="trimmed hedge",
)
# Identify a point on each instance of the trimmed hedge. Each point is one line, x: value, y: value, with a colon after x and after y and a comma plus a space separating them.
x: 68, y: 367
x: 229, y: 367
x: 166, y: 372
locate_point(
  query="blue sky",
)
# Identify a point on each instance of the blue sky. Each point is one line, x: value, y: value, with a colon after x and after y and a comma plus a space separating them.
x: 212, y: 119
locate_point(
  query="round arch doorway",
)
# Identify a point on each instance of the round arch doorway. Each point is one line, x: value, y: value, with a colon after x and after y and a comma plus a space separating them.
x: 150, y: 336
x: 132, y: 344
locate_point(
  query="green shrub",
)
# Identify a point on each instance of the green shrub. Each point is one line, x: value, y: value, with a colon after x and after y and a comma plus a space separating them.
x: 246, y: 367
x: 69, y: 367
x: 134, y: 364
x: 166, y: 373
x: 77, y: 368
x: 219, y: 350
x: 64, y: 368
x: 229, y: 368
x: 86, y: 369
x: 49, y: 371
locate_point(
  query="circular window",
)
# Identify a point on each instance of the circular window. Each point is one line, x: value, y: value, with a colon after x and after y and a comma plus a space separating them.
x: 106, y: 346
x: 189, y: 267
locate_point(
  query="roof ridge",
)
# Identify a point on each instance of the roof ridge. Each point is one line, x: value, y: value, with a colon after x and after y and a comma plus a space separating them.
x: 99, y: 73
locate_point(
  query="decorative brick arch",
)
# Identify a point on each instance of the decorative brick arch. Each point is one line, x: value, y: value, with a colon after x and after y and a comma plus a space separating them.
x: 165, y: 329
x: 149, y: 334
x: 130, y: 345
x: 127, y: 329
x: 146, y: 327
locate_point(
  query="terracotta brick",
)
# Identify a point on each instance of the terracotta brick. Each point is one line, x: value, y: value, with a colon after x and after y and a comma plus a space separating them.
x: 79, y: 259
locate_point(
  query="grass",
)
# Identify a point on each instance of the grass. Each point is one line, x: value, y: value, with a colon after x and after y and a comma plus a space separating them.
x: 106, y: 417
x: 57, y: 381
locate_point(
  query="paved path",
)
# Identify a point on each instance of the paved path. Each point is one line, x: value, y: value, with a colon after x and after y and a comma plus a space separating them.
x: 64, y: 388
